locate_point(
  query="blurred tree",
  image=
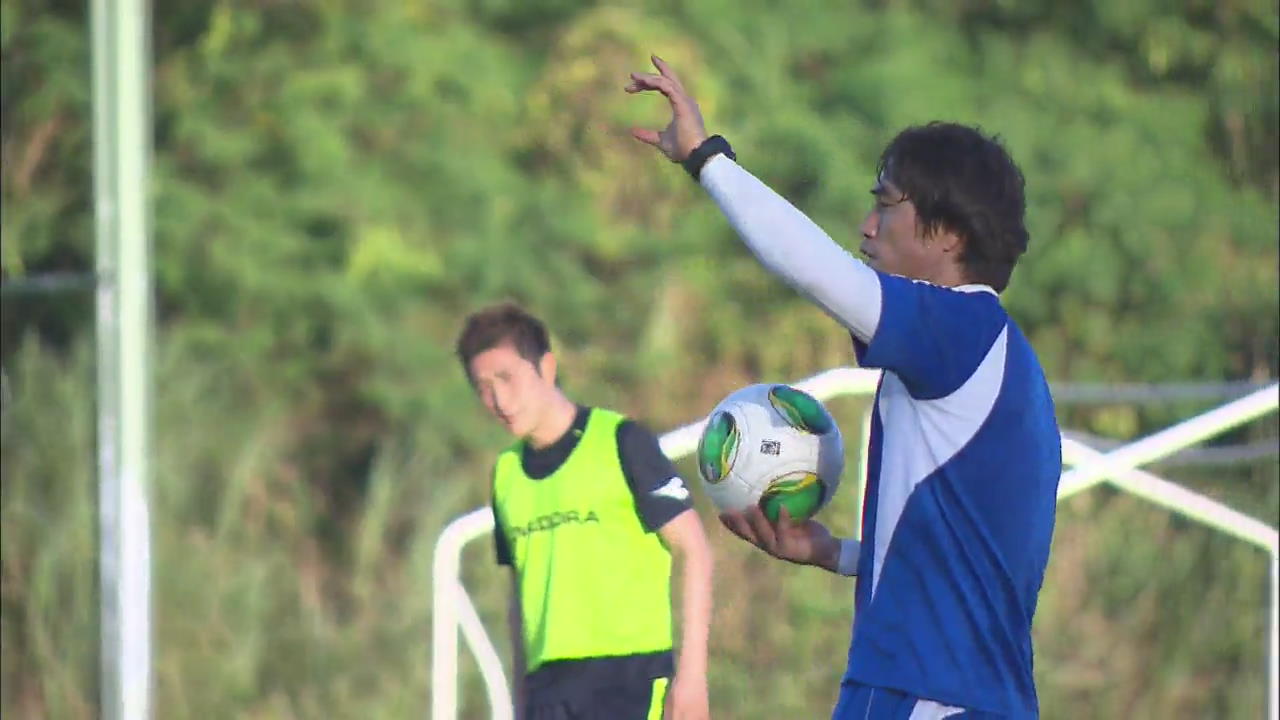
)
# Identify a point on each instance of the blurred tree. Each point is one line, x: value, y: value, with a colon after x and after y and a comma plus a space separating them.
x: 336, y: 183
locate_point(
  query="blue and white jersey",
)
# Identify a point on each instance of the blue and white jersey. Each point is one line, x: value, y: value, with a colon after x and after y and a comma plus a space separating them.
x: 963, y: 471
x: 962, y: 480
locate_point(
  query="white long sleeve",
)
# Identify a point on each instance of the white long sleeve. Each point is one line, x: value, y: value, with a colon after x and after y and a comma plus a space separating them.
x: 795, y: 249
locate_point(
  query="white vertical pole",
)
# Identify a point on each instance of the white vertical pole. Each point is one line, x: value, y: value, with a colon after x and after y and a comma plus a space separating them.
x: 1273, y: 681
x: 451, y: 612
x: 121, y: 138
x: 495, y: 679
x: 444, y: 626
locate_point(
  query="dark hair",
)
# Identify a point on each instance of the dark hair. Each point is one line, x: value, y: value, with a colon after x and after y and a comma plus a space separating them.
x: 505, y: 323
x: 961, y: 180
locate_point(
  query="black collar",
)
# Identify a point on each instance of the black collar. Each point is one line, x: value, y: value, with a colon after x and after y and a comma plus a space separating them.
x: 540, y: 463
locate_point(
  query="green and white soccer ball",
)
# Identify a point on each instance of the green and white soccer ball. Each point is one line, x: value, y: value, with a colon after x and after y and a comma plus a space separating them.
x: 774, y: 446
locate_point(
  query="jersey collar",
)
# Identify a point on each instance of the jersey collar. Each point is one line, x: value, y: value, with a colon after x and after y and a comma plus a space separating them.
x: 975, y: 288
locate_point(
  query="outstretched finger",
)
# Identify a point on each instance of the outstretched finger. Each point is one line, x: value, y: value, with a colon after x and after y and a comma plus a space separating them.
x: 737, y: 525
x: 635, y: 87
x: 646, y: 136
x: 648, y: 81
x: 666, y: 70
x: 761, y: 528
x: 784, y: 519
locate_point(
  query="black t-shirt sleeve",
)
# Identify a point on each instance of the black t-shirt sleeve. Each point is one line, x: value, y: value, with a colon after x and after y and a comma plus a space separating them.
x: 660, y: 493
x: 501, y: 550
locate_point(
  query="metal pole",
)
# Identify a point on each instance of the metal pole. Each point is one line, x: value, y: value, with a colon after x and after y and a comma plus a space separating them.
x: 449, y: 615
x: 1216, y: 515
x: 495, y: 679
x: 121, y: 138
x: 444, y: 623
x: 1163, y: 443
x: 1273, y: 660
x: 1171, y: 496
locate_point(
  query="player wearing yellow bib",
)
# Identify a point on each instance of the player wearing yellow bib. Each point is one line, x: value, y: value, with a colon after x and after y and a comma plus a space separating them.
x: 589, y: 514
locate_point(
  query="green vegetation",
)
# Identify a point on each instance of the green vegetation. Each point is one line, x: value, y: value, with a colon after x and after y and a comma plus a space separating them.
x: 336, y: 182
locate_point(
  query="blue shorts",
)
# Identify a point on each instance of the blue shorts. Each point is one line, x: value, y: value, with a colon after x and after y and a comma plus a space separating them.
x: 862, y: 702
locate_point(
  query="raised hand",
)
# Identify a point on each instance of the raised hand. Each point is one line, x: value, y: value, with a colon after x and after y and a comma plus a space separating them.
x: 685, y: 132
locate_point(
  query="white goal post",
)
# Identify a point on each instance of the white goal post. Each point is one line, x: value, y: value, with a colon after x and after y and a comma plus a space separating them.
x: 454, y: 613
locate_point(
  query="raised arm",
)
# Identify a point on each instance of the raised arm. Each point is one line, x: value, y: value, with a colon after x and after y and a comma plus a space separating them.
x: 794, y: 248
x: 785, y: 240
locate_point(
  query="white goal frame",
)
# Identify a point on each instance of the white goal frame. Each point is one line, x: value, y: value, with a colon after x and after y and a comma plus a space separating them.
x: 454, y: 613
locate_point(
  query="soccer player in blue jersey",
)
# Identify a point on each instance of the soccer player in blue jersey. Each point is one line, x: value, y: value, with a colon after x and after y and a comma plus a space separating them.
x: 965, y: 451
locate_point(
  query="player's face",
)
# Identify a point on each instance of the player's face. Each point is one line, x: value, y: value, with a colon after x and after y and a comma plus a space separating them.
x: 512, y: 388
x: 893, y: 240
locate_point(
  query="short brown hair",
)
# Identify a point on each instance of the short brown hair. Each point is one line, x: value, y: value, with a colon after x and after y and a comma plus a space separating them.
x: 962, y: 180
x: 496, y: 325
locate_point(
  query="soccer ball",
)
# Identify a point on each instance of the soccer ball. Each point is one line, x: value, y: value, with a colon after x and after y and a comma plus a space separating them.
x: 772, y: 446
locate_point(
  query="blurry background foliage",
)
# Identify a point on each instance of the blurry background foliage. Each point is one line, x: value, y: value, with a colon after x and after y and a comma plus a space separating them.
x: 336, y: 183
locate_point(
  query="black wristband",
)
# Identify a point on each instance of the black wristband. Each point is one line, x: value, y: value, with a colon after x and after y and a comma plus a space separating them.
x: 712, y: 146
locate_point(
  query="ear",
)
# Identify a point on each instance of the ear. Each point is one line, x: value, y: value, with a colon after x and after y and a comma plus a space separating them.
x: 949, y: 242
x: 547, y: 367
